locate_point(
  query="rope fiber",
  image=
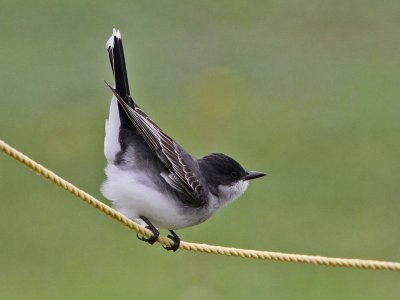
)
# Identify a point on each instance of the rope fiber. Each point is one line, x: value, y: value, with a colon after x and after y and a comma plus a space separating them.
x: 246, y: 253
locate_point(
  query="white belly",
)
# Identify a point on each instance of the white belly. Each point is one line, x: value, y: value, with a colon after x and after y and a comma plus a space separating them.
x: 133, y: 198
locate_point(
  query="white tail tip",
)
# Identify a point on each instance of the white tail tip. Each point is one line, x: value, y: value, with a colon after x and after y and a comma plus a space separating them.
x: 110, y: 42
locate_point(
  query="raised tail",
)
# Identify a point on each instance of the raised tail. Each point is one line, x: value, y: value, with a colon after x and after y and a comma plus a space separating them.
x: 117, y: 59
x: 118, y: 120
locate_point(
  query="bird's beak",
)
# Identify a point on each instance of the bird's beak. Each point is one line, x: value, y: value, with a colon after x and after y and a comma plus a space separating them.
x: 253, y: 175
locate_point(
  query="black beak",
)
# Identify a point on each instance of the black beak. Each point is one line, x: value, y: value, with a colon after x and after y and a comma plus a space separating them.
x: 253, y: 175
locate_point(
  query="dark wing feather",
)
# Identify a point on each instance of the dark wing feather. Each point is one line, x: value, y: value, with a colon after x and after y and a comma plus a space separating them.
x: 165, y: 148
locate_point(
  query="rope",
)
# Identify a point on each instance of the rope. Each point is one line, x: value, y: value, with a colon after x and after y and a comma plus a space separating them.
x: 246, y: 253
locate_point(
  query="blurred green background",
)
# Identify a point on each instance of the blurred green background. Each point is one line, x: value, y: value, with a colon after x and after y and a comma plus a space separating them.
x: 307, y: 91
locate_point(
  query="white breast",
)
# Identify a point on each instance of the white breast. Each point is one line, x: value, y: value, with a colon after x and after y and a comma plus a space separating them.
x: 134, y: 197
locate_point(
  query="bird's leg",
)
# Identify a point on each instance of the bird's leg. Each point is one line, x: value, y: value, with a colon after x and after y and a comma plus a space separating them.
x: 151, y: 240
x: 177, y: 241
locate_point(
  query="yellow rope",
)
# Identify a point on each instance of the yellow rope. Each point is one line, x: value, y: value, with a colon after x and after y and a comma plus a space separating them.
x: 266, y: 255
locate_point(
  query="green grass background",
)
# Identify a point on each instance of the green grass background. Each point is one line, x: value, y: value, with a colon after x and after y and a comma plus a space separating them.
x: 307, y: 91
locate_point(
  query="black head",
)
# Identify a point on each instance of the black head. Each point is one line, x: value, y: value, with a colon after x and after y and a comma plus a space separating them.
x: 224, y: 170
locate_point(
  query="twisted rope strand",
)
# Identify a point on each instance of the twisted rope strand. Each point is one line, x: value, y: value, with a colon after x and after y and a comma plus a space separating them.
x: 245, y: 253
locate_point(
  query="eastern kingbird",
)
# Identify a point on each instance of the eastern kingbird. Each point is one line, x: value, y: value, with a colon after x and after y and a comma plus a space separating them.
x: 150, y: 178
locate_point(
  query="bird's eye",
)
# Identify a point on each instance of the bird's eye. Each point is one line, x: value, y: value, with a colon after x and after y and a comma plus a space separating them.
x: 235, y: 175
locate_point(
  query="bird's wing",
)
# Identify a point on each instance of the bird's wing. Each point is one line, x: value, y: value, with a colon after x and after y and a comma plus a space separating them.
x: 167, y: 150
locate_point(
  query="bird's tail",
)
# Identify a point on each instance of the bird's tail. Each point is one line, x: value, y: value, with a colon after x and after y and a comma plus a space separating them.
x: 117, y: 60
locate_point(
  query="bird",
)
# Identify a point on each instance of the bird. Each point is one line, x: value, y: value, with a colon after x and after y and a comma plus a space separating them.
x: 150, y: 178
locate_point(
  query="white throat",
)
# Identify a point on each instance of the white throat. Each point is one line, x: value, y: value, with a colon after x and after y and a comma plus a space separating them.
x: 228, y: 193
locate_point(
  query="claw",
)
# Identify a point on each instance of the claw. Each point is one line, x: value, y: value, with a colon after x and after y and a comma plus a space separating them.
x: 176, y: 244
x: 151, y: 240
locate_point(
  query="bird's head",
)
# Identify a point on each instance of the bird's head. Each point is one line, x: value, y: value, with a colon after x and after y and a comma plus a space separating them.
x: 226, y: 175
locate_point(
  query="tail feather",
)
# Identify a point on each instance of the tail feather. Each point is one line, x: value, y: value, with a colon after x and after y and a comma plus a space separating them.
x: 117, y: 59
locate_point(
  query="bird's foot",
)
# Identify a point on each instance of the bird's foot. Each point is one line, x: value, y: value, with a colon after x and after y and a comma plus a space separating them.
x: 177, y: 241
x: 151, y: 240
